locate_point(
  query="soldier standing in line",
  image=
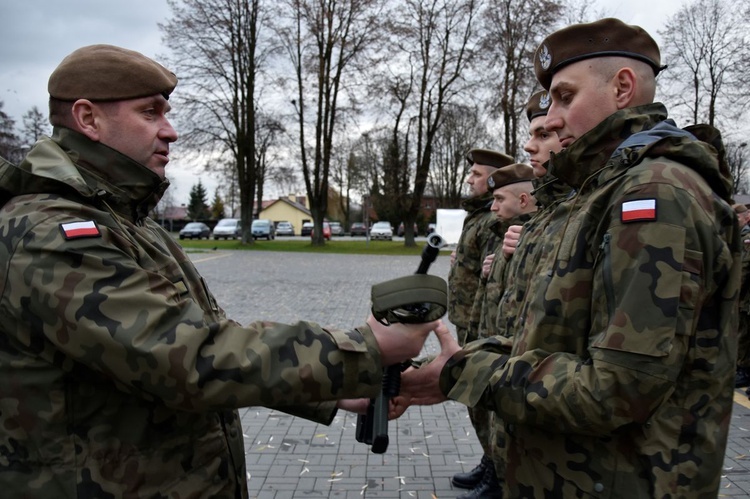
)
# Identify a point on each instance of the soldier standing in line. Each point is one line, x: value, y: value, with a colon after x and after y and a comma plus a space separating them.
x: 512, y: 203
x: 621, y: 378
x: 742, y: 378
x: 120, y: 375
x: 474, y: 244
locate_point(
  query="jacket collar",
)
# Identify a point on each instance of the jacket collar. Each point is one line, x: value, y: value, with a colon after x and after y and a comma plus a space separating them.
x: 477, y: 203
x: 94, y: 170
x: 591, y: 151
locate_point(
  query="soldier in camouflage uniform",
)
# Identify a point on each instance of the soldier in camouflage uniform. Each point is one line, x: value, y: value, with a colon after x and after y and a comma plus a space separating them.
x: 512, y: 202
x: 119, y: 373
x: 620, y: 381
x: 464, y: 279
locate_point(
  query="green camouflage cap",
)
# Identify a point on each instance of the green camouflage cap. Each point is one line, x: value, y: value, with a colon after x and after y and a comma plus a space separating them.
x: 109, y: 73
x: 604, y: 38
x: 488, y: 157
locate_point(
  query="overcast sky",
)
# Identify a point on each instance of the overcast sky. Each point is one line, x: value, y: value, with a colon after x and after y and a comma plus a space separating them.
x: 37, y: 34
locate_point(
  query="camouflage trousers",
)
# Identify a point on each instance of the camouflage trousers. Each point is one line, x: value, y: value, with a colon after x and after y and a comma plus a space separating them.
x: 481, y: 420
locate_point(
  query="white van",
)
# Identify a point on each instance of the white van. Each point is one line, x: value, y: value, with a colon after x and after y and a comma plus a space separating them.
x: 228, y: 228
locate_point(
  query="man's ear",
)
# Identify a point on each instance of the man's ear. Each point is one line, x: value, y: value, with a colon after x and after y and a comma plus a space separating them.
x: 523, y: 199
x: 624, y: 83
x: 86, y: 117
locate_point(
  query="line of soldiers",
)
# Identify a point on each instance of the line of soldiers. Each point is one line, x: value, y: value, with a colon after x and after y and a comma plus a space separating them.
x: 598, y: 329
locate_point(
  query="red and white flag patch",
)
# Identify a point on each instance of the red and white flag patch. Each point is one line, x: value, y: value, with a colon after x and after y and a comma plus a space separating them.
x: 639, y: 210
x: 74, y: 230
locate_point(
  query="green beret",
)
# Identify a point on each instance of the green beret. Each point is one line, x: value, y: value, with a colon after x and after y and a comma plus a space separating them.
x: 603, y: 38
x: 488, y: 158
x: 538, y: 105
x: 109, y: 73
x: 511, y: 174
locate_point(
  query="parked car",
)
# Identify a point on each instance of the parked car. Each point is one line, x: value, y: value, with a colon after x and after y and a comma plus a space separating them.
x: 195, y: 230
x: 401, y: 230
x: 263, y: 228
x: 284, y: 229
x: 381, y: 230
x: 336, y: 229
x: 227, y: 228
x: 307, y: 228
x: 326, y: 231
x: 358, y: 229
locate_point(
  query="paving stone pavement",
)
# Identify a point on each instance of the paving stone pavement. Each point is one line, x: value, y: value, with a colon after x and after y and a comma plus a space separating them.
x: 292, y: 458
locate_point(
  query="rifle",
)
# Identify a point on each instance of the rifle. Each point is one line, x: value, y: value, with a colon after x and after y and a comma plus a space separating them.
x: 414, y: 299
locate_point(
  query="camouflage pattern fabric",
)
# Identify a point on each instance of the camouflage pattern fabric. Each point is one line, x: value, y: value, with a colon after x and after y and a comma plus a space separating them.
x: 464, y: 278
x: 621, y: 377
x: 119, y: 372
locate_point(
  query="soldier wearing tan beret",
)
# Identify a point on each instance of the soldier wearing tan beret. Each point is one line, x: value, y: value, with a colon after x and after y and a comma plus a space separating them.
x: 119, y: 372
x: 465, y: 282
x: 623, y: 307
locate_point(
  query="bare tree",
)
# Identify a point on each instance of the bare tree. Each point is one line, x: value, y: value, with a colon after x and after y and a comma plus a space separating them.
x: 705, y: 47
x: 436, y: 41
x: 463, y: 128
x: 217, y: 55
x: 266, y: 130
x: 10, y: 144
x: 323, y: 41
x: 35, y: 124
x: 511, y: 34
x: 738, y: 166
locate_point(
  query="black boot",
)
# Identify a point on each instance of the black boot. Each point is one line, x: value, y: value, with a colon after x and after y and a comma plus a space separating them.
x: 489, y: 488
x: 472, y: 478
x: 742, y: 378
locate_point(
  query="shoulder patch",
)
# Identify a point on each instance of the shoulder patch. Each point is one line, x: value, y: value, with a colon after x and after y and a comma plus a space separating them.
x: 75, y: 230
x: 639, y: 210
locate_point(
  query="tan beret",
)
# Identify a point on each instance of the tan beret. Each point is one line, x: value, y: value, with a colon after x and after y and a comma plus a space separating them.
x: 108, y: 73
x: 538, y: 105
x: 739, y: 208
x: 488, y: 158
x: 510, y: 174
x: 606, y: 37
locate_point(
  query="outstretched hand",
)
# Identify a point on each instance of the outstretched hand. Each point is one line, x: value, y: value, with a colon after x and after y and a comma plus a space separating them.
x: 400, y: 342
x: 421, y: 386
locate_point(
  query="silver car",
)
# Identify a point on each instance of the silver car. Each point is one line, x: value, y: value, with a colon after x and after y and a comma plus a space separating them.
x: 381, y: 230
x: 284, y: 229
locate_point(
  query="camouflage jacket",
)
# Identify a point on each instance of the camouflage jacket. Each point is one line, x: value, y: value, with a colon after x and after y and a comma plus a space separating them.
x: 464, y: 278
x: 484, y: 311
x: 119, y: 372
x: 621, y: 377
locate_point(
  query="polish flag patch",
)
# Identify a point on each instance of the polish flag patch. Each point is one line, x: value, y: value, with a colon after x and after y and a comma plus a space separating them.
x: 640, y: 210
x: 75, y: 230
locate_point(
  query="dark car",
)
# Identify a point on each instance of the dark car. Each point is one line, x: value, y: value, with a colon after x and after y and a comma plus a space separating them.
x: 358, y: 229
x: 195, y: 230
x: 307, y: 228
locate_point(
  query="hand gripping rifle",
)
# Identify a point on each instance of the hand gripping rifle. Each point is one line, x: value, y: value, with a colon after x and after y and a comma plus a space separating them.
x: 413, y: 299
